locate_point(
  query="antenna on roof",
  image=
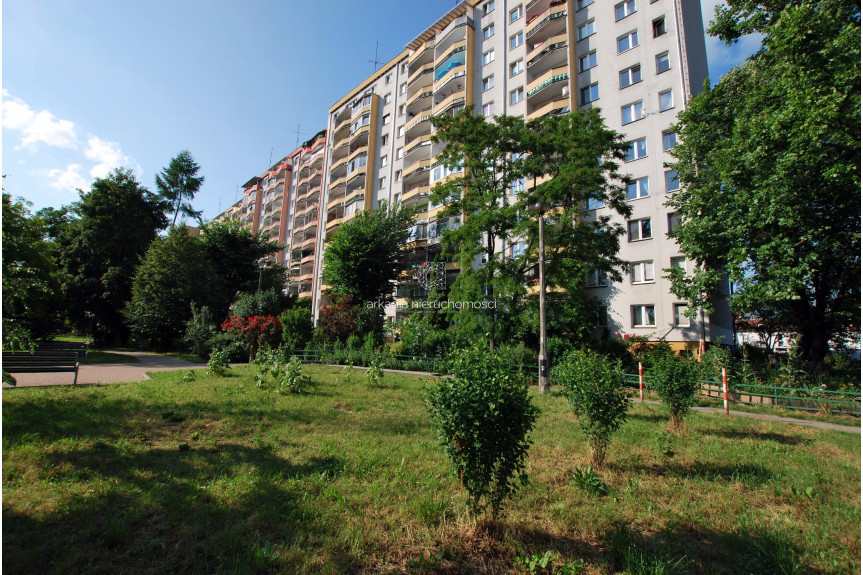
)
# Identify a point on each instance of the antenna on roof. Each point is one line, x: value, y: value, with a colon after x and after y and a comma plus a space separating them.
x: 376, y: 62
x: 298, y: 135
x: 271, y: 157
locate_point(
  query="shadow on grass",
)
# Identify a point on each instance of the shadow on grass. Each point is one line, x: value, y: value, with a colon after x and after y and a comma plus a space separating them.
x: 226, y: 509
x: 679, y: 550
x: 782, y: 438
x: 654, y: 417
x: 745, y: 473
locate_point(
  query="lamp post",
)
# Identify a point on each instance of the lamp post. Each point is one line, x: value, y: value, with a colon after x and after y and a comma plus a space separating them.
x: 540, y: 207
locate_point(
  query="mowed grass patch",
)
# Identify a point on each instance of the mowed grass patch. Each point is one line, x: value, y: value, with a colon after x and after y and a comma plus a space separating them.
x: 218, y: 475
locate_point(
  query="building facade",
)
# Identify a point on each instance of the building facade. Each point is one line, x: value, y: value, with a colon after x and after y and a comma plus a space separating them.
x: 638, y: 60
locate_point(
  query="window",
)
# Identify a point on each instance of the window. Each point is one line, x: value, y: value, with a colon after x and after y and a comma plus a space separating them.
x: 400, y: 153
x: 637, y: 150
x: 387, y: 79
x: 516, y: 96
x: 386, y: 119
x: 663, y: 64
x: 624, y: 9
x: 679, y: 263
x: 488, y: 83
x: 403, y: 88
x: 643, y: 316
x: 488, y: 109
x: 488, y: 8
x: 659, y: 27
x: 587, y: 62
x: 673, y: 223
x: 638, y: 189
x: 398, y: 177
x: 400, y: 131
x: 515, y: 14
x: 627, y: 42
x: 640, y: 230
x: 631, y: 113
x: 591, y: 204
x: 669, y: 140
x: 630, y: 76
x: 488, y: 32
x: 384, y: 161
x: 382, y: 183
x: 516, y: 68
x: 516, y: 41
x: 388, y: 98
x: 583, y: 4
x: 385, y: 139
x: 680, y: 319
x: 596, y: 278
x: 589, y: 94
x: 586, y: 30
x: 641, y: 272
x: 488, y: 57
x: 518, y: 249
x: 672, y: 182
x: 518, y: 185
x: 666, y: 101
x: 602, y: 316
x: 402, y: 110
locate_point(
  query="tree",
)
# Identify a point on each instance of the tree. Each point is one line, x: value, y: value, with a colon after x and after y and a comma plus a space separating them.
x: 234, y: 252
x: 31, y: 290
x: 565, y: 161
x: 178, y: 184
x: 769, y: 165
x: 114, y: 225
x: 174, y: 274
x: 364, y: 257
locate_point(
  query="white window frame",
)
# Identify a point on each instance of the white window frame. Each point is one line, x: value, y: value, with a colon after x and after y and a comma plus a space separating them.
x: 639, y: 226
x: 516, y: 68
x: 678, y: 262
x: 636, y: 111
x: 488, y: 31
x: 670, y: 180
x: 488, y: 57
x: 679, y: 317
x: 488, y: 109
x: 400, y: 153
x: 642, y: 312
x: 667, y: 134
x: 630, y: 76
x: 588, y: 90
x: 637, y: 150
x: 587, y: 59
x: 516, y: 96
x: 581, y: 4
x: 624, y: 9
x: 384, y: 160
x: 386, y: 119
x: 400, y: 131
x: 596, y: 278
x: 515, y: 13
x: 382, y: 182
x: 488, y: 8
x: 664, y: 27
x: 641, y: 272
x: 516, y: 40
x: 630, y: 36
x: 663, y: 57
x: 589, y: 27
x: 670, y: 94
x: 488, y: 83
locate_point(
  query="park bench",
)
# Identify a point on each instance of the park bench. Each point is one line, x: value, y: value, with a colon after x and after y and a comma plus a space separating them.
x: 41, y: 362
x: 79, y: 346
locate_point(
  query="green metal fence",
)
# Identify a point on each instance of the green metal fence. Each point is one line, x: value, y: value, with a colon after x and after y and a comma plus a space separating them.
x: 803, y: 399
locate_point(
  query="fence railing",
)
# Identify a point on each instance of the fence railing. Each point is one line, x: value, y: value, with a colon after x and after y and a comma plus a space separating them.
x: 799, y: 398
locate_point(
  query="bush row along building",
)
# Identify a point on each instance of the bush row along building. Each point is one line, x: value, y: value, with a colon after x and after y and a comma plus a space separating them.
x: 640, y: 61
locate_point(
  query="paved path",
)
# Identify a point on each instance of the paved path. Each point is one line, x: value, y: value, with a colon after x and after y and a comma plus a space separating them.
x: 99, y: 373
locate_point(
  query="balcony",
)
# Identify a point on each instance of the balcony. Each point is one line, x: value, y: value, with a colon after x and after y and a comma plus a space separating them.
x: 339, y: 170
x: 341, y: 130
x: 420, y: 144
x: 549, y: 86
x: 421, y: 79
x: 422, y: 55
x: 454, y: 79
x: 420, y: 125
x: 550, y: 23
x: 455, y: 98
x: 454, y: 56
x: 417, y: 172
x: 341, y: 151
x: 550, y: 54
x: 454, y: 32
x: 419, y: 102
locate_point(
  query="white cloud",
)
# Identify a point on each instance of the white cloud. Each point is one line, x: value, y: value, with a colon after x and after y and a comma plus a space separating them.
x: 37, y: 127
x: 69, y: 179
x: 108, y: 156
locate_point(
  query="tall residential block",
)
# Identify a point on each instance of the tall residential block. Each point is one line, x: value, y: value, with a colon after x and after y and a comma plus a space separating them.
x: 638, y: 60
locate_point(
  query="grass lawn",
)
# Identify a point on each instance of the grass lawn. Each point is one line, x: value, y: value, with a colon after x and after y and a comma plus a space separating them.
x: 217, y: 475
x: 94, y: 357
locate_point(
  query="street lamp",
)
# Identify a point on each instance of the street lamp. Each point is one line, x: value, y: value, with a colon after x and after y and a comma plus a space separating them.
x: 540, y: 207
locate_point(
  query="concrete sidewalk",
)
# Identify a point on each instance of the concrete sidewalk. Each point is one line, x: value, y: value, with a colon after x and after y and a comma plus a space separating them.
x: 100, y: 373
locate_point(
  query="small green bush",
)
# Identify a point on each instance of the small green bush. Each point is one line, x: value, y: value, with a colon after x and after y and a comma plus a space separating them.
x: 374, y: 374
x: 594, y: 387
x: 483, y: 415
x: 287, y: 376
x: 296, y: 327
x: 200, y: 328
x: 218, y: 364
x: 675, y: 380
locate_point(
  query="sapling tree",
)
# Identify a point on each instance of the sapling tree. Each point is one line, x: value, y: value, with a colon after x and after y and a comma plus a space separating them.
x: 675, y: 380
x: 483, y: 415
x: 593, y: 384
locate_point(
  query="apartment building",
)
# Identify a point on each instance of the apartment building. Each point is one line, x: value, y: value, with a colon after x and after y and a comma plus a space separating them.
x: 283, y: 204
x: 638, y: 60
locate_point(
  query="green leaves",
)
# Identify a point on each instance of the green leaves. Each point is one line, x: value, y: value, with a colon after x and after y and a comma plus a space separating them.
x: 178, y: 184
x: 483, y: 415
x: 675, y: 380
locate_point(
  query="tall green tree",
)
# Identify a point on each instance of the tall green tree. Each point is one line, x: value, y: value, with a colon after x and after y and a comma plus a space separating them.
x: 769, y: 163
x: 364, y: 257
x: 178, y: 183
x: 31, y: 289
x: 173, y: 274
x: 234, y: 252
x: 566, y: 161
x: 114, y: 224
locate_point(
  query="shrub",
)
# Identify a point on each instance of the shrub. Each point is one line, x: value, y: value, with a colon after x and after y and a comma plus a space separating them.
x: 218, y: 364
x: 287, y: 376
x: 519, y: 355
x: 594, y: 387
x: 483, y: 416
x: 236, y: 349
x: 374, y: 374
x: 296, y: 327
x: 199, y: 330
x: 675, y: 380
x: 259, y: 332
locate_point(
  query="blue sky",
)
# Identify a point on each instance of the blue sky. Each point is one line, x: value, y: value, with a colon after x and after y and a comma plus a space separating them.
x: 89, y: 85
